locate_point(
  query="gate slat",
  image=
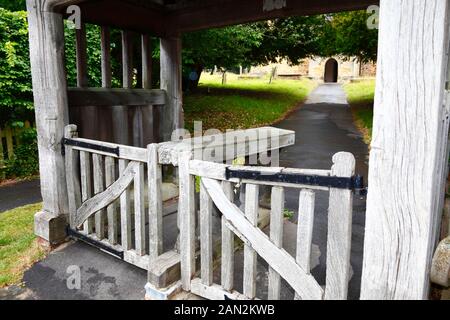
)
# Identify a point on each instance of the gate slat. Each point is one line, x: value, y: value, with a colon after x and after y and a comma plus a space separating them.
x: 99, y: 186
x: 73, y: 186
x: 276, y: 235
x: 206, y: 237
x: 155, y: 205
x: 305, y: 230
x: 139, y: 210
x: 110, y: 177
x: 86, y: 186
x: 187, y: 220
x: 339, y: 231
x: 250, y: 256
x: 227, y: 244
x: 125, y: 212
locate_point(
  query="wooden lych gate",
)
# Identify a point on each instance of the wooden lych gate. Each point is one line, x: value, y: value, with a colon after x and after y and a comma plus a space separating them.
x: 216, y: 187
x: 409, y: 151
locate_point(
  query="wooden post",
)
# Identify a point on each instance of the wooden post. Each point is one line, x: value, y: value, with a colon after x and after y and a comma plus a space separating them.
x: 407, y: 157
x: 186, y: 215
x: 81, y: 50
x: 339, y: 237
x: 147, y: 129
x: 46, y: 34
x: 172, y: 115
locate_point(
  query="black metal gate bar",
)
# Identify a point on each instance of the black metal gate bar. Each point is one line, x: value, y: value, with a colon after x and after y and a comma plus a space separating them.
x: 79, y: 236
x: 88, y: 145
x: 355, y: 183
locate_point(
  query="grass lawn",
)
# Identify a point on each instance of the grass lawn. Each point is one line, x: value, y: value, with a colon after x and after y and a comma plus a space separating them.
x: 18, y: 244
x: 243, y: 104
x: 360, y: 95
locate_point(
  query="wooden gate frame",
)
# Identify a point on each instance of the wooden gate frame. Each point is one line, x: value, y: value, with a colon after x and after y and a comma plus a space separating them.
x: 295, y: 271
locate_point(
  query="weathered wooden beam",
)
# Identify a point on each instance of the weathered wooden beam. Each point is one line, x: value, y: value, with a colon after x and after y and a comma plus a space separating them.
x: 46, y: 34
x: 123, y: 15
x: 231, y: 145
x: 106, y: 97
x: 81, y: 56
x: 408, y: 149
x: 106, y: 57
x: 218, y: 13
x: 172, y: 117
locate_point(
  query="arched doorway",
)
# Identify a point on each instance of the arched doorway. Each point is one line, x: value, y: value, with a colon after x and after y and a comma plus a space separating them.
x: 331, y: 71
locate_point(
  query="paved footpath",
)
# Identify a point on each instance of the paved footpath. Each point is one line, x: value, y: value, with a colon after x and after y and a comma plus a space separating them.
x: 19, y: 194
x: 323, y: 127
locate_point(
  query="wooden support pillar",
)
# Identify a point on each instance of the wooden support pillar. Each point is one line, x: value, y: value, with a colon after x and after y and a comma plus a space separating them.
x: 120, y: 113
x: 146, y: 124
x: 46, y: 34
x: 171, y: 82
x: 408, y: 157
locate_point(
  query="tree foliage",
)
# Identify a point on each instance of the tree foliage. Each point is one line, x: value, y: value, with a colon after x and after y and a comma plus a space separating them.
x: 15, y: 75
x: 347, y: 34
x: 293, y: 39
x: 227, y: 48
x: 13, y: 5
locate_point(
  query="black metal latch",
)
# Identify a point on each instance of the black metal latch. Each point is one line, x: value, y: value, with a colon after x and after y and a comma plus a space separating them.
x: 88, y: 145
x: 79, y: 236
x: 355, y: 183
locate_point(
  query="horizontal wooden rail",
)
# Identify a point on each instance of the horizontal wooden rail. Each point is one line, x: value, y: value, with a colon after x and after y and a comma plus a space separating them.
x: 217, y: 171
x: 125, y: 152
x: 107, y: 97
x: 231, y: 144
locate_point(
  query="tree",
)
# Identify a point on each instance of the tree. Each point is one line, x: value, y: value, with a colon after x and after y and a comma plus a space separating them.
x: 348, y: 35
x: 293, y: 39
x: 15, y: 76
x: 227, y: 48
x: 13, y: 5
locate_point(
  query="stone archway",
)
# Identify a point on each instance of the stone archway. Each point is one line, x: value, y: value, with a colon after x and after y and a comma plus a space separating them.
x: 331, y: 71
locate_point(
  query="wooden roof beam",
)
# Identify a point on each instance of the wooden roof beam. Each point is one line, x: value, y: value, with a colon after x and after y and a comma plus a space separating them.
x: 222, y: 13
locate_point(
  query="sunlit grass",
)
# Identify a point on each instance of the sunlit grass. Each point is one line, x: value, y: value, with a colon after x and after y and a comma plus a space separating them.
x: 19, y: 249
x: 360, y: 95
x: 243, y: 104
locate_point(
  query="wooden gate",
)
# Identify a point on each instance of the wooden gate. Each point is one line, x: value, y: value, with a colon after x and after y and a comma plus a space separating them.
x: 103, y: 180
x: 216, y: 187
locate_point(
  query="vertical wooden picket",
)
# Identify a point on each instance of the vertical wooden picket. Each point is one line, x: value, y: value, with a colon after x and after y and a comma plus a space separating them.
x: 139, y: 210
x: 276, y: 235
x: 155, y: 202
x: 206, y: 241
x: 110, y: 178
x: 125, y: 212
x: 227, y: 244
x: 250, y: 256
x: 187, y: 220
x: 99, y: 186
x: 86, y: 187
x: 339, y: 230
x: 305, y: 230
